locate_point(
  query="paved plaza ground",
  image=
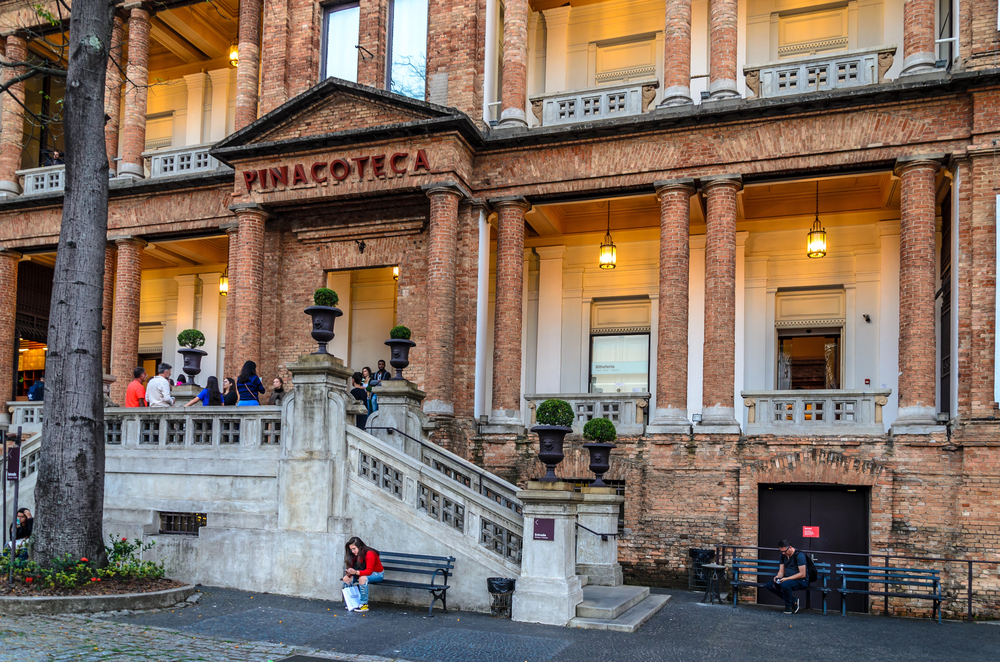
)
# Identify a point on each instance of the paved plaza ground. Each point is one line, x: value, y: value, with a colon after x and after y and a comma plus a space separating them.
x: 229, y: 625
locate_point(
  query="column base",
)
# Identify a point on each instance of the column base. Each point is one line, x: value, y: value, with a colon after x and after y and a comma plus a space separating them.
x: 9, y: 189
x: 131, y: 171
x: 916, y: 419
x: 504, y: 421
x: 601, y: 574
x: 678, y: 95
x: 718, y: 420
x: 512, y: 118
x: 918, y: 63
x: 547, y: 601
x: 723, y: 89
x: 670, y: 420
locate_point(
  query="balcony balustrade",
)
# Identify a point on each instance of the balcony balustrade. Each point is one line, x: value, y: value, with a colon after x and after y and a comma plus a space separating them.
x: 819, y: 73
x: 181, y: 160
x: 50, y: 179
x: 819, y: 412
x: 626, y: 410
x: 594, y: 104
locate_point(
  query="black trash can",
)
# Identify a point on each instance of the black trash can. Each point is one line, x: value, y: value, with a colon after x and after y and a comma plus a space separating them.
x: 697, y: 580
x: 501, y: 591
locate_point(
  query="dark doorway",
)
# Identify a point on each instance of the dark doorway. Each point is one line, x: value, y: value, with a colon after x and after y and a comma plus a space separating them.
x: 840, y: 513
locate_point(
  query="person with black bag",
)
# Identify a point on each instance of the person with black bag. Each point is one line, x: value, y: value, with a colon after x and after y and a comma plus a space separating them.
x: 793, y: 575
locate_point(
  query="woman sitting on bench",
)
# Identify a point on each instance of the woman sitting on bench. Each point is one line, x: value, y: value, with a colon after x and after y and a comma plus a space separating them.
x: 363, y: 567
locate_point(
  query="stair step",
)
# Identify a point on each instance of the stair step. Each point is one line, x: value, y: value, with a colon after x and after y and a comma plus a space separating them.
x: 629, y: 622
x: 609, y: 602
x: 584, y: 580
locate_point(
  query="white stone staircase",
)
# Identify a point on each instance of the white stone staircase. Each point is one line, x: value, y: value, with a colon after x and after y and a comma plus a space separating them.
x: 616, y: 608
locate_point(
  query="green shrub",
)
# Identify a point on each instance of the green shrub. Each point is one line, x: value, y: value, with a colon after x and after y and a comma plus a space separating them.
x: 324, y: 296
x: 192, y: 338
x: 399, y: 332
x: 600, y: 429
x: 555, y: 412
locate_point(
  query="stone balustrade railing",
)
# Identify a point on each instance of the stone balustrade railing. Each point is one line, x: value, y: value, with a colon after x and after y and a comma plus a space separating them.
x: 818, y: 412
x: 819, y: 73
x: 193, y: 427
x: 181, y: 160
x: 594, y: 104
x: 626, y: 410
x: 50, y: 179
x: 26, y: 415
x: 445, y: 488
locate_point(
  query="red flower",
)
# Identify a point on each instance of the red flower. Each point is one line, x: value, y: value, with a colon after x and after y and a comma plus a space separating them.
x: 94, y: 579
x: 83, y: 559
x: 124, y: 539
x: 27, y: 579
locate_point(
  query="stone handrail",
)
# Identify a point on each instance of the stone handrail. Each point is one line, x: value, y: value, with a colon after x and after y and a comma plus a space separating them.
x: 49, y: 179
x: 625, y: 410
x: 29, y: 415
x: 181, y: 160
x: 815, y: 412
x: 442, y: 494
x: 818, y: 73
x: 594, y: 103
x: 193, y: 427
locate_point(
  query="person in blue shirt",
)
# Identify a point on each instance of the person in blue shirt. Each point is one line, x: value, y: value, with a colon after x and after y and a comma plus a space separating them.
x: 210, y: 396
x: 37, y: 391
x: 248, y: 385
x: 793, y: 575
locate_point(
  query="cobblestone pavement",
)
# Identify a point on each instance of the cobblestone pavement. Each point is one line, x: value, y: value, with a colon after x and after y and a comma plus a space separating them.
x: 220, y: 627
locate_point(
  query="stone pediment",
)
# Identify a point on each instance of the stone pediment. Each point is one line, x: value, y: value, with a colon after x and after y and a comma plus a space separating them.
x: 336, y: 112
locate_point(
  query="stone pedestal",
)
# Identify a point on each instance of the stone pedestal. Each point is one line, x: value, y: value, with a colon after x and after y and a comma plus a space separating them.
x: 548, y: 590
x: 399, y: 407
x: 182, y: 394
x: 597, y: 558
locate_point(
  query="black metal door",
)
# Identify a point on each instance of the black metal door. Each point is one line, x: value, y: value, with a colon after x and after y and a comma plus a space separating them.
x: 840, y: 513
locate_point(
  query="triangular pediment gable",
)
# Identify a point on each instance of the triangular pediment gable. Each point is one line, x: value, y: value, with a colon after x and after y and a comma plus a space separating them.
x: 339, y: 111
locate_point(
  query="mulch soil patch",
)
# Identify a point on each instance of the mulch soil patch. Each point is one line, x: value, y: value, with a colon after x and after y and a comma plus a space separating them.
x: 103, y: 587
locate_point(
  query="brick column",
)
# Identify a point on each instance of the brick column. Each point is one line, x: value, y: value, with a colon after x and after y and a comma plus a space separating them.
x: 723, y: 21
x: 12, y: 132
x: 677, y: 54
x: 917, y: 338
x: 248, y: 71
x: 372, y: 36
x: 244, y: 305
x: 919, y: 53
x: 442, y: 253
x: 125, y: 326
x: 719, y: 371
x: 107, y: 314
x: 506, y: 408
x: 137, y: 73
x: 8, y: 335
x: 672, y: 334
x: 230, y: 367
x: 514, y: 90
x: 112, y: 95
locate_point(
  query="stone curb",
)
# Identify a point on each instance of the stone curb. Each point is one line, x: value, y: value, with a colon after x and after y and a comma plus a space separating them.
x: 86, y: 604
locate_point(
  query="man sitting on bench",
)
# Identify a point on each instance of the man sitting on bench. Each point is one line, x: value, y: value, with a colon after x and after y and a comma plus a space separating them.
x: 793, y: 575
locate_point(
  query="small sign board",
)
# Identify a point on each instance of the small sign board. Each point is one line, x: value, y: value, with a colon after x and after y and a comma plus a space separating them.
x: 545, y: 529
x: 810, y: 532
x: 13, y: 463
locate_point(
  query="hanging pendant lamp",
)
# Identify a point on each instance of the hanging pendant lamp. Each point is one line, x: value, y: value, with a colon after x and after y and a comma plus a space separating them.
x: 224, y: 283
x: 816, y: 241
x: 609, y: 253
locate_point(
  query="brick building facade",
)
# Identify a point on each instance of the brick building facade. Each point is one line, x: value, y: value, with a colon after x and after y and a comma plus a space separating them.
x: 740, y: 364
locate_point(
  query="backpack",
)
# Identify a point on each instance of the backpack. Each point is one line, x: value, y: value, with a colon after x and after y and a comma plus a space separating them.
x: 811, y: 571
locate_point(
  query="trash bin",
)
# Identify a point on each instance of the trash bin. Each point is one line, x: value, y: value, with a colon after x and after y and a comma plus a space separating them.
x: 501, y: 591
x: 697, y: 580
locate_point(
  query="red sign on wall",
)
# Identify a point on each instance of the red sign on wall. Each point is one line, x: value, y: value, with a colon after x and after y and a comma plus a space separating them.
x: 810, y: 532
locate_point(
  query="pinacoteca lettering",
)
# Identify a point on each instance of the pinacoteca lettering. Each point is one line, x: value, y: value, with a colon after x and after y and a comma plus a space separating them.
x: 338, y: 170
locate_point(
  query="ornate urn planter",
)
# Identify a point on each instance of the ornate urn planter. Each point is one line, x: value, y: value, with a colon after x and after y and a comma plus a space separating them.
x: 550, y: 448
x: 192, y: 361
x: 400, y: 356
x: 323, y: 319
x: 600, y: 460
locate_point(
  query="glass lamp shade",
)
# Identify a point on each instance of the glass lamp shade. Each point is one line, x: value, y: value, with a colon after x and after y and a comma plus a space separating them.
x: 816, y: 242
x: 609, y: 254
x: 395, y: 273
x: 234, y: 54
x: 224, y: 285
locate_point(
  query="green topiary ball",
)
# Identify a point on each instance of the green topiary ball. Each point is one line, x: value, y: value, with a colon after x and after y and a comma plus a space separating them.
x: 192, y: 338
x: 399, y: 332
x: 324, y: 296
x: 600, y: 429
x: 555, y: 412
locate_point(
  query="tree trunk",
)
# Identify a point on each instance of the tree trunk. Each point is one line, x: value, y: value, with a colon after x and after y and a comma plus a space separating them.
x: 70, y: 486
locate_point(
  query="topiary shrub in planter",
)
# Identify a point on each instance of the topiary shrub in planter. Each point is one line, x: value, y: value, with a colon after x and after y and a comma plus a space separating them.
x: 555, y: 418
x: 601, y: 432
x: 399, y: 342
x: 190, y: 340
x: 324, y: 315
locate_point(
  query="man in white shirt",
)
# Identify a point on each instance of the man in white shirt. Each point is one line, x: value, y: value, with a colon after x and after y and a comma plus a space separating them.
x: 158, y: 388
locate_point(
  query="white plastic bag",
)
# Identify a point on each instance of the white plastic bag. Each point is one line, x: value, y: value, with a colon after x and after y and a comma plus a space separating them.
x: 352, y: 597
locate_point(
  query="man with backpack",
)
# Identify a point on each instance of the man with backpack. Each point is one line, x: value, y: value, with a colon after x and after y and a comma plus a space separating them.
x: 793, y: 575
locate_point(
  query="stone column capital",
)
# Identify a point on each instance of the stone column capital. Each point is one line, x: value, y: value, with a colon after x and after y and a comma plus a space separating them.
x: 480, y: 204
x: 230, y: 227
x: 128, y: 240
x: 250, y: 209
x: 550, y: 252
x: 557, y: 15
x: 905, y: 163
x: 683, y: 184
x: 734, y: 180
x: 447, y: 187
x: 9, y: 254
x: 196, y: 80
x: 507, y: 202
x: 132, y: 6
x: 220, y: 76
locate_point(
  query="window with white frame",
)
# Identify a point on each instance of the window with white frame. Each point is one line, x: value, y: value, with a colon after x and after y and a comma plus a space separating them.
x: 341, y: 28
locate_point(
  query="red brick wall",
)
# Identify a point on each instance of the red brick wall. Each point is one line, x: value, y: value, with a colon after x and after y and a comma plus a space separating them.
x: 677, y: 44
x: 113, y: 90
x: 509, y: 298
x: 372, y: 35
x: 466, y: 295
x: 442, y: 255
x: 720, y: 293
x: 244, y: 305
x: 136, y: 91
x: 722, y: 39
x: 125, y: 334
x: 232, y: 267
x: 338, y: 113
x: 454, y: 65
x: 107, y: 314
x: 248, y: 70
x: 672, y: 337
x: 918, y: 26
x: 8, y: 313
x: 276, y: 66
x: 514, y: 84
x: 13, y: 120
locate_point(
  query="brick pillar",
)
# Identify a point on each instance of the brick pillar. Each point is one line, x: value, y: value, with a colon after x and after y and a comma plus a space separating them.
x: 244, y: 303
x: 672, y: 334
x: 108, y: 313
x: 230, y: 367
x: 125, y: 326
x: 442, y: 252
x: 8, y: 335
x: 719, y: 371
x: 137, y: 77
x: 722, y: 64
x: 13, y: 121
x: 514, y: 90
x: 918, y: 37
x: 248, y: 71
x: 677, y: 54
x: 506, y: 408
x: 112, y: 95
x: 372, y: 36
x: 917, y: 339
x: 466, y: 307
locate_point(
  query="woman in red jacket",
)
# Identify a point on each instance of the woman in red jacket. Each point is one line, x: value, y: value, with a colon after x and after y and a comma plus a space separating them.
x: 363, y: 567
